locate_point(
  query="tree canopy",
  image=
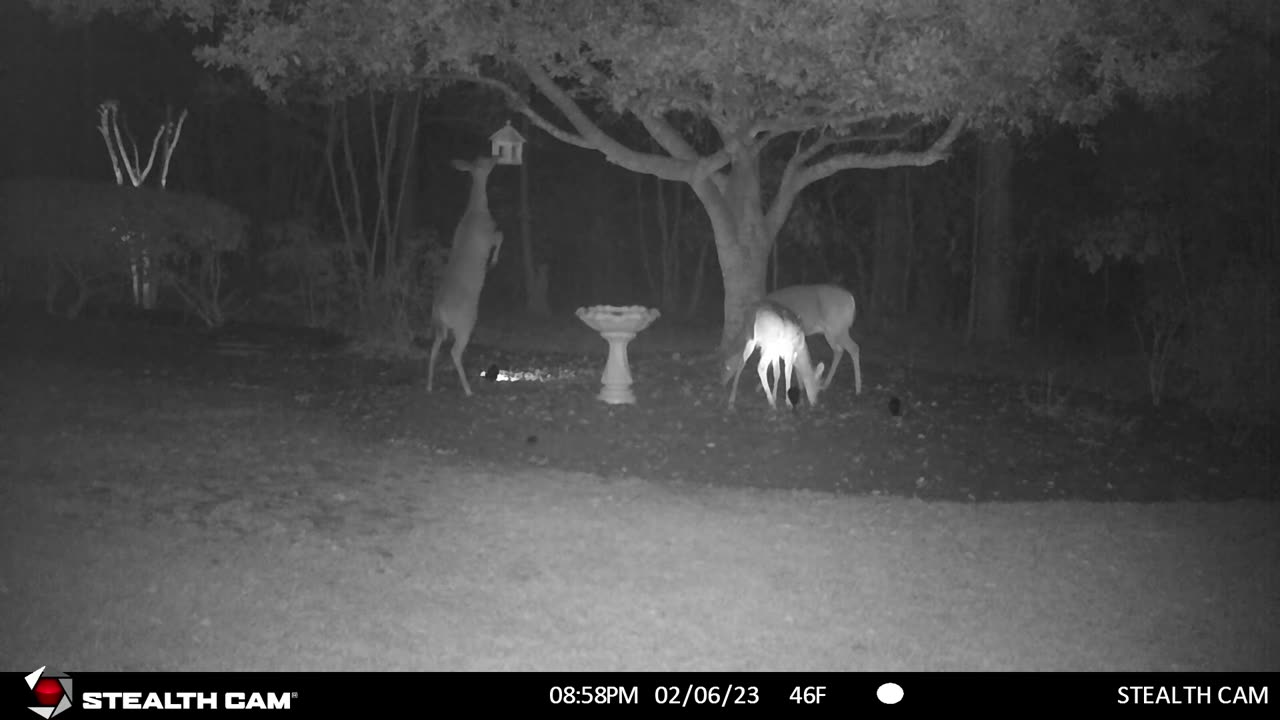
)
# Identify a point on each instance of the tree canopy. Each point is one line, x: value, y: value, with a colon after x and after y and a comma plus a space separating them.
x: 833, y: 84
x: 748, y: 67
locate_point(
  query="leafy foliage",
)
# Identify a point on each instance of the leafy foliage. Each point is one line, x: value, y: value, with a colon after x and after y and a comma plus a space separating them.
x: 303, y: 267
x: 1232, y: 346
x: 92, y: 230
x: 813, y: 64
x: 836, y: 84
x: 70, y: 217
x: 1131, y: 234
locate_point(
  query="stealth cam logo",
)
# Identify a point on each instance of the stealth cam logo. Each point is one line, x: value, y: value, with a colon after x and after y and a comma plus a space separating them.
x: 52, y: 691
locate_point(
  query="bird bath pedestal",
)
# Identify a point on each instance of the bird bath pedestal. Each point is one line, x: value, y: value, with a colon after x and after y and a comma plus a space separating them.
x: 617, y: 325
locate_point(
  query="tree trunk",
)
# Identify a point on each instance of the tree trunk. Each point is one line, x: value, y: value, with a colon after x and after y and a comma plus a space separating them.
x: 408, y: 201
x: 665, y: 283
x: 672, y: 287
x: 641, y: 241
x: 699, y: 275
x: 88, y: 99
x: 889, y: 266
x: 930, y: 297
x: 535, y: 275
x: 908, y: 214
x: 743, y: 239
x: 995, y: 267
x: 744, y: 262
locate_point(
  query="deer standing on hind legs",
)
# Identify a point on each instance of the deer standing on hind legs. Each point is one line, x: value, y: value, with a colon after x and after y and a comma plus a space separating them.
x: 476, y: 243
x: 778, y: 334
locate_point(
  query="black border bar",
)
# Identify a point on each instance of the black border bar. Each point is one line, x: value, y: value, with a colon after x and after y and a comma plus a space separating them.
x: 653, y: 694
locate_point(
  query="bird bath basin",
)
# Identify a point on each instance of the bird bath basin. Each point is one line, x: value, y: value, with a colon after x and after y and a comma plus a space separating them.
x: 619, y: 326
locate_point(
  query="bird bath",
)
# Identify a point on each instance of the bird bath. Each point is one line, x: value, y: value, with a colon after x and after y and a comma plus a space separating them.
x: 617, y: 325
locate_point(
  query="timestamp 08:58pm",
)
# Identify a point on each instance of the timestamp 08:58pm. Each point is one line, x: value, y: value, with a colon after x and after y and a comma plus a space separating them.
x: 686, y: 695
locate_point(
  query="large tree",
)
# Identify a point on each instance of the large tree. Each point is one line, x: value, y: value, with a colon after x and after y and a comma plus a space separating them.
x: 825, y: 85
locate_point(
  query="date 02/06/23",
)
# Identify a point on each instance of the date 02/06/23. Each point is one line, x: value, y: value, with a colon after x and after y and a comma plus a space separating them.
x: 668, y: 695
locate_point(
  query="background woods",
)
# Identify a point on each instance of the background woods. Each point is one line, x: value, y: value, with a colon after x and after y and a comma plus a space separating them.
x: 1105, y: 187
x: 235, y: 233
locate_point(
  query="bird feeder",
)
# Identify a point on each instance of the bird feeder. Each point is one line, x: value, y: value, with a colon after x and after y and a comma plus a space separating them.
x: 508, y: 145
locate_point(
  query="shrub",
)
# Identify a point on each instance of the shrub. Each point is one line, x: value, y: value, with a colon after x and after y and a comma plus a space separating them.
x: 90, y: 232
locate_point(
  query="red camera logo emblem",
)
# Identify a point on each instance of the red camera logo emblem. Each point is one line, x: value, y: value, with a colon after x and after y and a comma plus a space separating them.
x: 52, y: 691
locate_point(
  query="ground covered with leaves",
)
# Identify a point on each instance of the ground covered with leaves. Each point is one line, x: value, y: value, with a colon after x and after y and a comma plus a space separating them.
x: 266, y: 500
x: 949, y: 435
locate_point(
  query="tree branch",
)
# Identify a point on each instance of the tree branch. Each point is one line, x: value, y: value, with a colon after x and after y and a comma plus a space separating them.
x: 797, y: 176
x: 802, y: 157
x: 520, y: 105
x: 589, y: 136
x: 781, y: 205
x: 667, y: 137
x: 940, y: 150
x: 664, y: 167
x: 798, y: 122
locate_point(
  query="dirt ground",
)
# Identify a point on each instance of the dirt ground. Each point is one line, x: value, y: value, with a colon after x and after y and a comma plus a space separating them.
x: 166, y: 504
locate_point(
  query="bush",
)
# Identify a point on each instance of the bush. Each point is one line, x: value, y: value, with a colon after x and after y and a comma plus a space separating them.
x: 91, y: 232
x: 303, y: 271
x: 1230, y: 349
x: 323, y: 282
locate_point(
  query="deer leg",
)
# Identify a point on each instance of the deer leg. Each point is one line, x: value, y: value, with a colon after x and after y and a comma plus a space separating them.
x: 762, y: 369
x: 856, y: 353
x: 786, y: 374
x: 840, y: 344
x: 837, y: 351
x: 440, y: 332
x: 776, y: 368
x: 460, y: 340
x: 497, y: 248
x: 746, y: 354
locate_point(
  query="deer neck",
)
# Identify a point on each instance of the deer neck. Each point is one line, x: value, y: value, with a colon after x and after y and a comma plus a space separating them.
x: 478, y: 202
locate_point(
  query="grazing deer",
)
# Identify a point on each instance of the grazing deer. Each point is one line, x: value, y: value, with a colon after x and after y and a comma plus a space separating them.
x: 476, y: 243
x: 777, y: 332
x: 825, y: 309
